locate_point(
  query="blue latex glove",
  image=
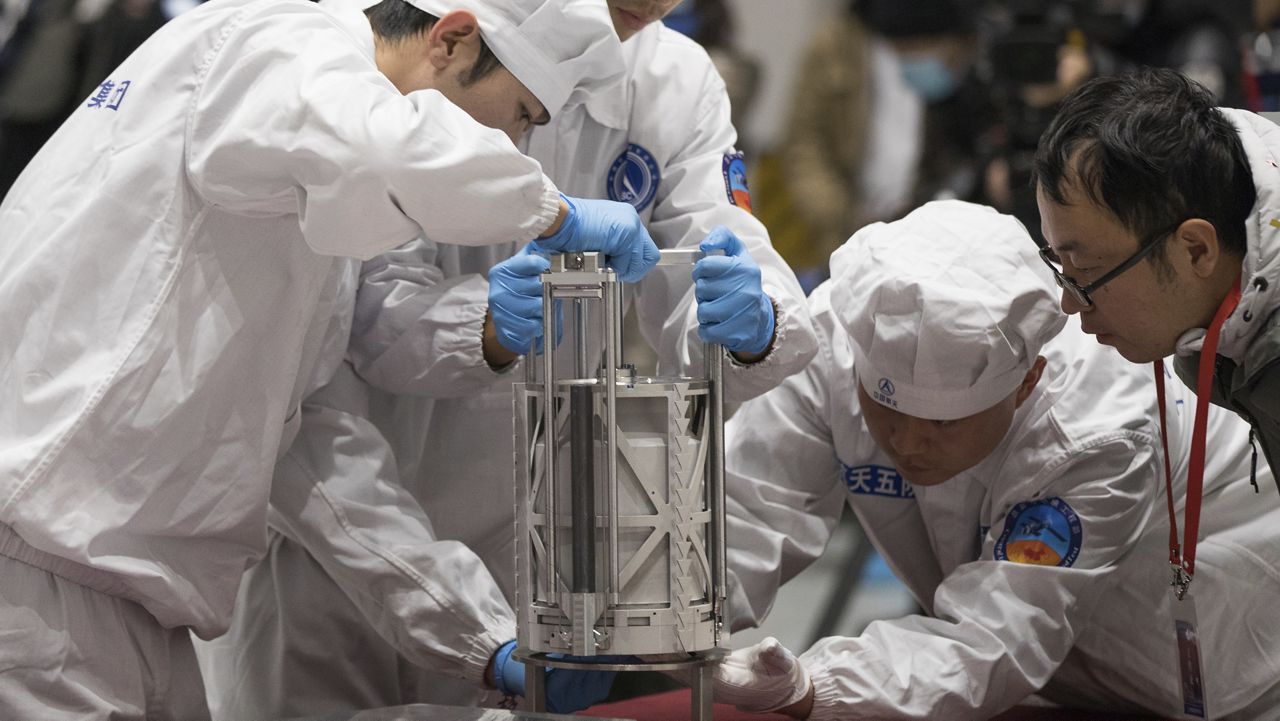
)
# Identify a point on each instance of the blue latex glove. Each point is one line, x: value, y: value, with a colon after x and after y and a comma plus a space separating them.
x: 515, y: 299
x: 733, y: 310
x: 610, y: 228
x: 568, y: 689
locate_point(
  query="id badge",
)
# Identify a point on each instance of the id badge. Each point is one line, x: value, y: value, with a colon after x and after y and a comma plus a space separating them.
x: 1190, y: 664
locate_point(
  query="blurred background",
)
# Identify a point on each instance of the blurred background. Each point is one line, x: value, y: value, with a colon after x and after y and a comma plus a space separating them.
x: 856, y: 111
x: 849, y: 112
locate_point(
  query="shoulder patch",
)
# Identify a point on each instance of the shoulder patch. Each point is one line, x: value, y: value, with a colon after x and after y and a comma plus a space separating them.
x: 877, y: 481
x: 633, y: 177
x: 735, y: 180
x: 1041, y: 533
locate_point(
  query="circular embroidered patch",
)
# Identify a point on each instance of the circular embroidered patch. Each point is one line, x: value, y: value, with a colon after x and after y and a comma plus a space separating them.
x: 633, y: 177
x: 1041, y: 533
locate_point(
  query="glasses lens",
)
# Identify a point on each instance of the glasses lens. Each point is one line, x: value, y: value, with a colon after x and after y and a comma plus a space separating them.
x: 1076, y: 292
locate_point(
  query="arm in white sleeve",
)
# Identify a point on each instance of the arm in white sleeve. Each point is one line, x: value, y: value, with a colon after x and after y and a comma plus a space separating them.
x: 418, y: 332
x: 782, y: 494
x: 691, y: 201
x: 335, y: 493
x: 1000, y: 628
x: 292, y: 117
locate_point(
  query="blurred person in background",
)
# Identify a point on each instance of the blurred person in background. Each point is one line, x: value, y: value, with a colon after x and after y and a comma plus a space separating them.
x: 1262, y: 56
x: 11, y: 13
x: 54, y: 53
x: 877, y: 95
x: 710, y: 24
x: 1198, y: 38
x: 120, y: 28
x: 938, y: 48
x: 1036, y: 52
x: 40, y: 79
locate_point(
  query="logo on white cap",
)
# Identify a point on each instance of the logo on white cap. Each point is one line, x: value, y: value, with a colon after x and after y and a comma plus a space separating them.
x: 884, y: 393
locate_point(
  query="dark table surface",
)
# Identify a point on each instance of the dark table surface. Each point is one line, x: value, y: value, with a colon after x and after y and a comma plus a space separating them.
x: 674, y: 706
x: 430, y: 712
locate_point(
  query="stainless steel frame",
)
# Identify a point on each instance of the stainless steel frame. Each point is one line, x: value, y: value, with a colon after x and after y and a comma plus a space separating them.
x: 620, y: 495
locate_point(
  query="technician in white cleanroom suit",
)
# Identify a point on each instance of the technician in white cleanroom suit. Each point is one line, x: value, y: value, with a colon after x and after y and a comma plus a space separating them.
x: 166, y: 274
x: 1011, y: 476
x: 387, y: 577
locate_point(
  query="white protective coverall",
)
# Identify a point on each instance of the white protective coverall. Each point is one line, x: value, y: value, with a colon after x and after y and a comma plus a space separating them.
x: 381, y: 574
x: 166, y: 280
x: 1097, y: 633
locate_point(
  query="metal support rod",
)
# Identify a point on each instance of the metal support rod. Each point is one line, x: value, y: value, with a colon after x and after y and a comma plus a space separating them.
x: 700, y: 697
x: 714, y: 356
x: 614, y: 310
x: 679, y: 256
x: 535, y: 688
x: 580, y: 368
x: 550, y: 435
x: 612, y: 359
x: 530, y: 442
x: 582, y: 461
x: 582, y: 487
x: 531, y: 356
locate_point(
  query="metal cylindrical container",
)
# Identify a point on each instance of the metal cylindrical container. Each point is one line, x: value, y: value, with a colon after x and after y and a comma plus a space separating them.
x: 659, y: 595
x: 619, y: 489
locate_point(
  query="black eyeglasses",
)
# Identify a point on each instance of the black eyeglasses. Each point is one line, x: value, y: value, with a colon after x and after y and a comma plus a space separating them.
x: 1081, y: 295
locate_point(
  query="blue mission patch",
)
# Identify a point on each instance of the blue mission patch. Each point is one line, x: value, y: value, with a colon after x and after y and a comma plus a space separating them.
x: 877, y: 481
x: 734, y: 169
x: 1041, y: 533
x: 634, y: 177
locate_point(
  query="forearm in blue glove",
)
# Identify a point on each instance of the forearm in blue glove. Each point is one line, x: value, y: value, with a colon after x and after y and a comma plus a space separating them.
x: 610, y: 228
x: 733, y: 309
x: 515, y: 300
x: 568, y: 690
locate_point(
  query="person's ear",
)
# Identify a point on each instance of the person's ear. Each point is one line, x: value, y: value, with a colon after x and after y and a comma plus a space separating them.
x: 454, y: 38
x: 1029, y: 381
x: 1197, y: 242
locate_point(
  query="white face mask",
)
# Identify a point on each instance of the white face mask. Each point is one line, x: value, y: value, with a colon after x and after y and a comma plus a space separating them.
x: 929, y: 76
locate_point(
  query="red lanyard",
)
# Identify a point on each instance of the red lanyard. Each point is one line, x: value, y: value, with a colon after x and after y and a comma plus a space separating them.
x: 1183, y: 559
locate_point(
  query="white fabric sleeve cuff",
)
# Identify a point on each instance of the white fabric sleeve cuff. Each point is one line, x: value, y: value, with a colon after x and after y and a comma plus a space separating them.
x: 792, y: 349
x: 475, y: 660
x: 829, y: 702
x: 550, y: 208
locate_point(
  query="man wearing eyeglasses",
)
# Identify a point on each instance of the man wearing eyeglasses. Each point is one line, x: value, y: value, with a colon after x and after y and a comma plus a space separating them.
x: 1161, y: 214
x: 1010, y: 472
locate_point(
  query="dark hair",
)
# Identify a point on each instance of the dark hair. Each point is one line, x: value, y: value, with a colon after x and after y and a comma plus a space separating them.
x: 396, y: 20
x: 1151, y: 148
x: 914, y: 18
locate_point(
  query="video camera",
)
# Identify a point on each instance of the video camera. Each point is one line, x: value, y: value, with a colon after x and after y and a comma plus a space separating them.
x: 1024, y: 41
x: 1026, y: 36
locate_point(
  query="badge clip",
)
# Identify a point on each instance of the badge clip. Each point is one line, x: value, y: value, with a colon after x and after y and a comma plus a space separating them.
x: 1181, y: 580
